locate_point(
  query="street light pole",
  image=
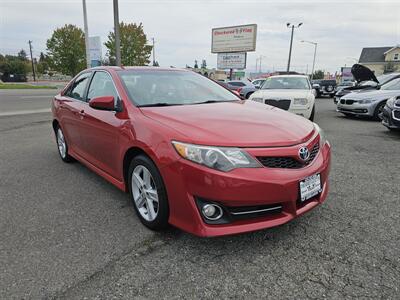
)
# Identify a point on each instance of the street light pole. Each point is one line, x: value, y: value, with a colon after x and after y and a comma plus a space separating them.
x: 116, y: 34
x: 85, y: 24
x: 288, y: 25
x: 315, y: 54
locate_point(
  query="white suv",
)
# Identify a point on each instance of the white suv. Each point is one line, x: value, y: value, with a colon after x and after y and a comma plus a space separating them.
x: 289, y: 92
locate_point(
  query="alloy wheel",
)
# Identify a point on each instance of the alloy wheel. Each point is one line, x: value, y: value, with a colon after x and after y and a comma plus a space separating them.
x: 144, y: 191
x: 62, y: 147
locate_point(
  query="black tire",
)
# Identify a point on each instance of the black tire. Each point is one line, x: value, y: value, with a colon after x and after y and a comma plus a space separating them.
x: 248, y: 95
x: 63, y: 154
x: 378, y: 110
x: 161, y: 220
x: 312, y: 114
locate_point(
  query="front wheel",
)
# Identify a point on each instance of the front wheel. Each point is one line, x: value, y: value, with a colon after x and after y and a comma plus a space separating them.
x: 312, y: 114
x: 379, y: 110
x: 148, y: 193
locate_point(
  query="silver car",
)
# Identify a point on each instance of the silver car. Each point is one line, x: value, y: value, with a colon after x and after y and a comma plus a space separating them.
x: 368, y: 103
x: 244, y: 87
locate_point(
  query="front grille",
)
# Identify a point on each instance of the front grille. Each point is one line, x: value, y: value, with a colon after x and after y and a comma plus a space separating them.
x: 287, y: 162
x: 282, y: 104
x: 347, y: 101
x: 396, y: 114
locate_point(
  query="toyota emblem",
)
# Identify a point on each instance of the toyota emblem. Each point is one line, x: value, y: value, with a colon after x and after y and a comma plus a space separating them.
x: 304, y: 154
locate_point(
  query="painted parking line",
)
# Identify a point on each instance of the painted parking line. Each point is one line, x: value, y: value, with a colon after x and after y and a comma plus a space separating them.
x: 24, y: 112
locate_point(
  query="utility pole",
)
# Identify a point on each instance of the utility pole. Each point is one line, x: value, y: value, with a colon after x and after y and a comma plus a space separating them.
x: 33, y: 67
x: 116, y: 33
x: 85, y: 25
x: 288, y: 25
x: 154, y: 54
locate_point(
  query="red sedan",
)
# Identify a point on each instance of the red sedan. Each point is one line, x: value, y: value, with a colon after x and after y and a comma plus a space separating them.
x: 190, y: 152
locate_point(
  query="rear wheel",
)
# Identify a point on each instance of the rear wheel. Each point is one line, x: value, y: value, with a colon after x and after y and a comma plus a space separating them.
x: 62, y: 146
x: 248, y: 95
x: 148, y: 193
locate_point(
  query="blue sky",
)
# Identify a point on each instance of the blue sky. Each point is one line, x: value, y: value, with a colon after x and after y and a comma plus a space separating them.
x: 182, y: 29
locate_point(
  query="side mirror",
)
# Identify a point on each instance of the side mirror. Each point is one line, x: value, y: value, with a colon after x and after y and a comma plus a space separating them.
x: 103, y: 103
x: 257, y: 87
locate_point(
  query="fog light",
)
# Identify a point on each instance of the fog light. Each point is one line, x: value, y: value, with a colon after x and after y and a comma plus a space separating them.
x: 212, y: 212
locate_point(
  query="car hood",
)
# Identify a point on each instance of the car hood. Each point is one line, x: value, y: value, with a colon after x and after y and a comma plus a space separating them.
x: 376, y: 94
x: 234, y: 124
x: 362, y: 73
x: 282, y: 94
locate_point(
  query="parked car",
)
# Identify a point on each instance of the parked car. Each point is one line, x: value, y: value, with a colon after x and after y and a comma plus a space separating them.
x: 368, y: 103
x: 324, y: 87
x: 189, y: 152
x: 288, y: 92
x: 365, y: 80
x: 244, y: 87
x: 391, y: 113
x: 258, y: 82
x: 340, y: 87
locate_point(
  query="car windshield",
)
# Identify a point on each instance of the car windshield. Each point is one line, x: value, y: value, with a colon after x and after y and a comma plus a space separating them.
x: 392, y: 85
x: 291, y: 83
x: 385, y: 78
x: 172, y: 87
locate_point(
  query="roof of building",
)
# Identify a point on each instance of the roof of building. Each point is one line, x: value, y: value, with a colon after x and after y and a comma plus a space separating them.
x: 373, y: 54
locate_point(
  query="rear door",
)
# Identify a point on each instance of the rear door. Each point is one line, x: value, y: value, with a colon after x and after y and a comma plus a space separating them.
x: 100, y: 128
x: 71, y: 105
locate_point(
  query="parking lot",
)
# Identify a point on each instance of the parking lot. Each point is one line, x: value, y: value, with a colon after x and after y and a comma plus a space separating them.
x: 67, y: 233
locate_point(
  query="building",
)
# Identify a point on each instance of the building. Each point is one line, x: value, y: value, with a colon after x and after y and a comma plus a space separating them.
x: 381, y: 59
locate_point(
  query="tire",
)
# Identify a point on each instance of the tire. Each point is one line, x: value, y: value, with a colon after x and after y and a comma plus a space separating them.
x: 62, y: 146
x: 148, y: 193
x: 248, y: 95
x: 312, y: 114
x: 378, y: 111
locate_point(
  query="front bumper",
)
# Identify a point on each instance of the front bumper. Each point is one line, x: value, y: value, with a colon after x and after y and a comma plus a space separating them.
x: 356, y: 108
x: 391, y: 117
x: 187, y: 181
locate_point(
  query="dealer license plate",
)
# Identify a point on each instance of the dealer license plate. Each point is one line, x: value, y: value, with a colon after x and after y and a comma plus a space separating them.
x: 310, y: 187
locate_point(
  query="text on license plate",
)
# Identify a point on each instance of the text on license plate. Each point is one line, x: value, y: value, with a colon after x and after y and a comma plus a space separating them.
x: 310, y: 187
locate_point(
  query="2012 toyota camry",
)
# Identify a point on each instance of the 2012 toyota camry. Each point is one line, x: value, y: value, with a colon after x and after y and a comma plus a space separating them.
x: 190, y: 152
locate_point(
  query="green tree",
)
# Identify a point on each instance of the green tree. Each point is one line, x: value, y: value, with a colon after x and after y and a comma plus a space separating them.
x: 66, y: 50
x: 318, y: 74
x: 196, y: 66
x: 43, y: 64
x: 22, y: 55
x: 204, y: 64
x: 11, y: 64
x: 134, y: 48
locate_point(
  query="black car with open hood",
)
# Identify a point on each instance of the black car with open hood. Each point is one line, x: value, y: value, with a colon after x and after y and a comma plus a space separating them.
x: 365, y: 80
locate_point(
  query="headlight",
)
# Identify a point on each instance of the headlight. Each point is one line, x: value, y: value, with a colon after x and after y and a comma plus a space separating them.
x: 300, y: 101
x: 392, y: 102
x: 257, y: 99
x: 322, y: 137
x: 365, y: 101
x: 219, y: 158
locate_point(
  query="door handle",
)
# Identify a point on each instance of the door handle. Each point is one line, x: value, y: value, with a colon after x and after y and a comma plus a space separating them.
x: 82, y: 113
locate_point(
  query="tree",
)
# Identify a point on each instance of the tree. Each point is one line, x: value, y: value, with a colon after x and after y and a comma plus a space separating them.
x: 66, y: 50
x: 13, y: 65
x: 204, y: 64
x: 43, y: 64
x: 22, y: 55
x: 318, y: 74
x: 134, y: 48
x: 196, y: 66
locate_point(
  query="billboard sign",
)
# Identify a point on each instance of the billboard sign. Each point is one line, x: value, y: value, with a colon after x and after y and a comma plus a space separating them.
x: 95, y: 50
x: 231, y: 60
x: 234, y: 39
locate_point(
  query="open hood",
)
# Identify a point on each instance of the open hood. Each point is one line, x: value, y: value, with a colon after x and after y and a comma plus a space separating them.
x: 362, y: 73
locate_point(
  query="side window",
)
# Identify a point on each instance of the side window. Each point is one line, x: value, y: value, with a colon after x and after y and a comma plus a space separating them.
x: 236, y: 83
x: 101, y: 85
x: 77, y: 89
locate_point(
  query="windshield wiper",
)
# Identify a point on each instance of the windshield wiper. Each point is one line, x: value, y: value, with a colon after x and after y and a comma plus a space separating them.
x: 214, y: 101
x: 157, y: 104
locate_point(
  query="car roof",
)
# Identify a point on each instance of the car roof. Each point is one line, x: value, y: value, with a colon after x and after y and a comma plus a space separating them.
x: 289, y: 75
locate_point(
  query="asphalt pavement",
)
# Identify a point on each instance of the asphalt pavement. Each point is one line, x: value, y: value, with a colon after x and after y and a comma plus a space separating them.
x: 67, y: 233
